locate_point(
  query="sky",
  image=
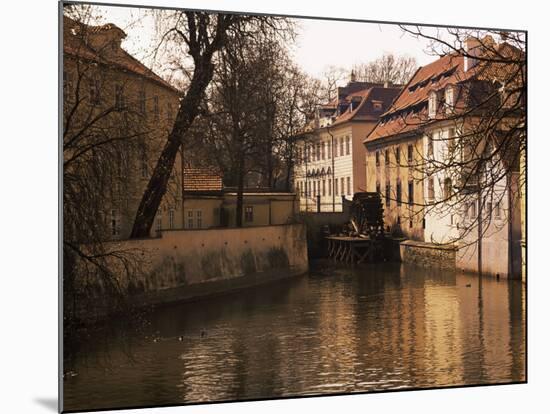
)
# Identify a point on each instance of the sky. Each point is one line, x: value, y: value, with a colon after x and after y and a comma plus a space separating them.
x: 319, y: 44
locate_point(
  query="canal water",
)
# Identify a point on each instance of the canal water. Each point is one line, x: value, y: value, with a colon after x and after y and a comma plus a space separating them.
x: 335, y: 330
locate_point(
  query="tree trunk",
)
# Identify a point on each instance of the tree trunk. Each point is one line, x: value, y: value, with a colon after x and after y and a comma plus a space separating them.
x: 156, y: 188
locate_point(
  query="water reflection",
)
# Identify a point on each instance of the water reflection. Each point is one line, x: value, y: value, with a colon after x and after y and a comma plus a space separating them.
x: 338, y: 330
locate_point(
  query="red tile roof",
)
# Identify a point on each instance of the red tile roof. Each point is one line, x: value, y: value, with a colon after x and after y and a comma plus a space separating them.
x: 76, y: 44
x: 409, y: 110
x: 365, y: 93
x: 366, y: 111
x: 201, y: 179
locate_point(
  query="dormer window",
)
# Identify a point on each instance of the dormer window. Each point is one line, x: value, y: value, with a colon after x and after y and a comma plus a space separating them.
x: 432, y: 104
x: 449, y: 97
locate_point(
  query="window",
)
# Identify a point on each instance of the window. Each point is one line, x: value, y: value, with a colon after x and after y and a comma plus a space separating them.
x: 342, y: 192
x: 348, y: 183
x: 169, y: 114
x: 119, y: 97
x: 397, y: 155
x: 388, y: 194
x: 449, y: 98
x: 497, y: 209
x: 142, y: 102
x: 347, y: 146
x: 329, y: 186
x: 451, y: 141
x: 115, y: 223
x: 430, y: 146
x: 431, y: 189
x: 323, y: 150
x: 249, y: 214
x: 156, y: 110
x: 336, y: 186
x: 67, y: 85
x: 190, y: 220
x: 198, y: 215
x: 95, y: 98
x: 144, y: 165
x: 329, y: 148
x: 432, y: 104
x: 398, y: 192
x: 447, y: 188
x: 318, y: 151
x: 410, y: 154
x: 377, y: 156
x: 473, y: 210
x: 171, y: 218
x: 411, y: 193
x: 301, y: 188
x: 324, y: 188
x: 159, y: 223
x: 341, y: 146
x: 489, y: 208
x: 387, y: 157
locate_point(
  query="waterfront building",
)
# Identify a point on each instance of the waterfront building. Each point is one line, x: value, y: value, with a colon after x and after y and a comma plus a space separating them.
x: 112, y: 101
x: 330, y: 161
x: 444, y: 180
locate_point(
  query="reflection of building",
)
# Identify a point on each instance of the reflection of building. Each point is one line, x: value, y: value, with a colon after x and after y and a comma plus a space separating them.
x: 113, y: 102
x: 331, y: 157
x: 429, y: 158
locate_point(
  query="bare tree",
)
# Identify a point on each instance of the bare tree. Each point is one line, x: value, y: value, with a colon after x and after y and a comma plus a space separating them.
x: 102, y: 136
x: 389, y: 68
x: 478, y: 95
x: 200, y: 36
x: 332, y: 78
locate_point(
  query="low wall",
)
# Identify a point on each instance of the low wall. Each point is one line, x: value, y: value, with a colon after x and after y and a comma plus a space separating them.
x: 187, y: 264
x: 427, y: 254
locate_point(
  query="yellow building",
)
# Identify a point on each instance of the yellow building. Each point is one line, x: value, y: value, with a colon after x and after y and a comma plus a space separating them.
x: 392, y: 170
x: 113, y: 103
x: 206, y: 204
x: 449, y: 174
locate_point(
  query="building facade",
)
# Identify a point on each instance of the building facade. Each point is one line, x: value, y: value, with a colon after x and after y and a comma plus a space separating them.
x: 330, y: 155
x: 444, y: 180
x: 118, y: 108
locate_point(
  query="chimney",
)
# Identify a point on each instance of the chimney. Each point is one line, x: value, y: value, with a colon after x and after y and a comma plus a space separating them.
x: 386, y: 84
x: 352, y: 77
x: 106, y: 38
x: 474, y: 46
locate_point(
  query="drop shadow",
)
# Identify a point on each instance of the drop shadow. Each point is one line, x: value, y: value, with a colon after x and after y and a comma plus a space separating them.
x: 49, y: 403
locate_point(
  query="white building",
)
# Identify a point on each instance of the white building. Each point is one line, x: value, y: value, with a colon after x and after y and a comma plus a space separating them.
x: 330, y: 154
x: 469, y: 190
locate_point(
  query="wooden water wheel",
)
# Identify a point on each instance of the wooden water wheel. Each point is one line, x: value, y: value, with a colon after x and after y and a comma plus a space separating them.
x: 367, y: 215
